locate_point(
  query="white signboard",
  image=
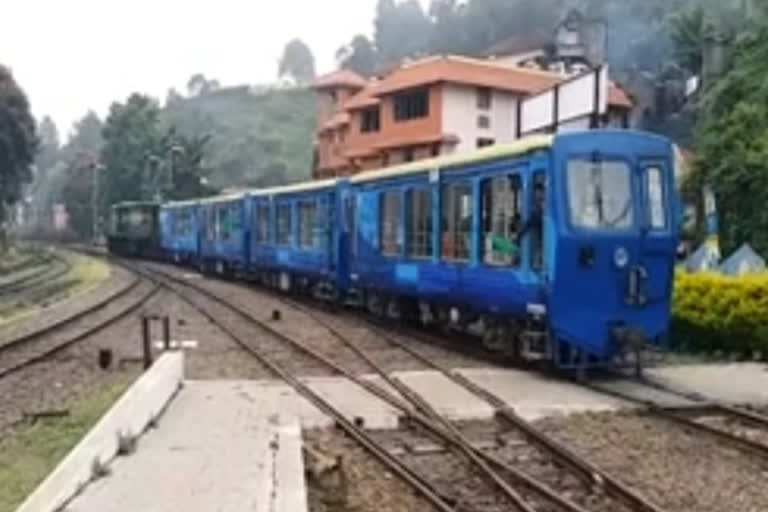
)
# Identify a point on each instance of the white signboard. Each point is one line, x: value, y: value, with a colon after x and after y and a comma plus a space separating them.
x: 537, y: 112
x: 568, y: 104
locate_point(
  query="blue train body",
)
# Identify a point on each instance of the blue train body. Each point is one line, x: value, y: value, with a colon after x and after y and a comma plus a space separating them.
x: 180, y: 230
x: 554, y: 247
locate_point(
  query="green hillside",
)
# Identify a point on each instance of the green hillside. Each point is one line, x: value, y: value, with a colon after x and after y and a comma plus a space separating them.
x: 258, y: 137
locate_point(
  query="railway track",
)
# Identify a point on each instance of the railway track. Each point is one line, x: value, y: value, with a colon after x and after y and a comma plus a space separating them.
x: 737, y: 426
x: 55, y: 267
x: 23, y: 351
x: 518, y: 489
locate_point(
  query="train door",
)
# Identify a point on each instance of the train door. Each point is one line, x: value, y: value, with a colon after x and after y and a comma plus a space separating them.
x: 347, y: 228
x: 658, y: 242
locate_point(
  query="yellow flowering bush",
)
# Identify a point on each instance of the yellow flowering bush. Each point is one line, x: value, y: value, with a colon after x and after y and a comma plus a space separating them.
x: 714, y: 312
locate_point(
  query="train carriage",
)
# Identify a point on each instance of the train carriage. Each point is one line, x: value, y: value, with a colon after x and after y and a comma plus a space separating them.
x: 294, y: 242
x: 554, y: 247
x: 180, y: 230
x: 224, y: 233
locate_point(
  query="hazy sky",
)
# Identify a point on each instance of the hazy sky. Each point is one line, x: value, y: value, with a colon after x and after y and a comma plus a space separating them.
x: 72, y: 55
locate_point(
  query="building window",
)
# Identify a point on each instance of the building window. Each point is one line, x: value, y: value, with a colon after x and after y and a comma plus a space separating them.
x: 412, y: 105
x: 456, y: 221
x: 502, y: 211
x: 261, y: 223
x: 370, y: 121
x: 284, y: 214
x: 436, y: 150
x: 483, y: 122
x: 307, y: 222
x: 484, y: 142
x: 390, y: 220
x: 484, y: 98
x: 408, y: 155
x: 418, y: 205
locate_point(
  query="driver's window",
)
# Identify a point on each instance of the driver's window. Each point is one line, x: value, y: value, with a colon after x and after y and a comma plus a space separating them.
x: 655, y: 190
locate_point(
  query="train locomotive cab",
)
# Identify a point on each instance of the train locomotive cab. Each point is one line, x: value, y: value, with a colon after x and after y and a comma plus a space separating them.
x: 611, y: 234
x: 133, y: 229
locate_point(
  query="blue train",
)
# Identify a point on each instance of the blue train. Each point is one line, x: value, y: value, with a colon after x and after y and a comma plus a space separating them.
x: 555, y: 247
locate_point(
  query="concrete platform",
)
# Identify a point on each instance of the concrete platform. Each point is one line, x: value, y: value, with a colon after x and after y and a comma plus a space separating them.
x: 639, y: 391
x: 737, y: 383
x: 128, y: 418
x: 236, y: 445
x: 214, y: 450
x: 534, y: 396
x: 447, y: 397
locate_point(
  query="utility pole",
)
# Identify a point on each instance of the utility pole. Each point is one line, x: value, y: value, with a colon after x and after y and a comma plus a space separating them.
x: 96, y: 169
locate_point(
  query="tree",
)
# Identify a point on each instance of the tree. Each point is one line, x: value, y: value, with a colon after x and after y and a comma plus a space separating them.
x: 49, y: 145
x: 132, y: 137
x: 400, y: 30
x: 18, y: 144
x: 732, y: 144
x: 359, y: 56
x: 297, y: 62
x: 198, y: 85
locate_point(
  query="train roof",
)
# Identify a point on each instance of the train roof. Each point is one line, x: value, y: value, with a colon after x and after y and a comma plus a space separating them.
x: 516, y: 148
x: 181, y: 204
x: 134, y: 204
x: 221, y: 199
x: 304, y: 186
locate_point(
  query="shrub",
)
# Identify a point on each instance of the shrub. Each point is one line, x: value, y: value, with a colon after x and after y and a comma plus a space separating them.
x: 713, y: 312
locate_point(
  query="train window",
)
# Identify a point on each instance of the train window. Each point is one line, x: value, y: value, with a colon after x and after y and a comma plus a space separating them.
x: 307, y: 222
x: 418, y: 204
x: 351, y: 212
x: 228, y: 221
x: 600, y: 194
x: 389, y: 222
x: 535, y: 224
x: 210, y: 223
x: 261, y: 223
x: 284, y: 224
x: 456, y: 221
x: 502, y: 211
x: 655, y: 186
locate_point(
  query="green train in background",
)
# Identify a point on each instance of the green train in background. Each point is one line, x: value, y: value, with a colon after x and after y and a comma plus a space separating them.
x: 134, y: 229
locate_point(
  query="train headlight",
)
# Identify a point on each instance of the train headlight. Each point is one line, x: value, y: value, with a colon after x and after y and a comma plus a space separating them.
x: 621, y: 257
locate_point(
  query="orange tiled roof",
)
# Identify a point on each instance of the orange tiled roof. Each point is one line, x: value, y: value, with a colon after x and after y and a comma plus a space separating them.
x: 340, y: 78
x: 364, y: 98
x: 477, y: 72
x: 466, y: 71
x: 338, y: 119
x: 618, y: 97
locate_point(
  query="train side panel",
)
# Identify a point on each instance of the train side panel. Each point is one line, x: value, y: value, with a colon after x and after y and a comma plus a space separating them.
x: 179, y: 231
x: 294, y: 236
x: 420, y: 236
x: 224, y: 233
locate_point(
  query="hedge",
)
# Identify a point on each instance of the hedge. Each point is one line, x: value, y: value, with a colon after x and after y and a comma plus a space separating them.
x: 712, y: 312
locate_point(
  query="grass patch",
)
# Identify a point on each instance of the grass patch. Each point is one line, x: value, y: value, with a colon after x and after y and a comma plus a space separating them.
x: 29, y: 454
x: 87, y: 271
x: 17, y: 258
